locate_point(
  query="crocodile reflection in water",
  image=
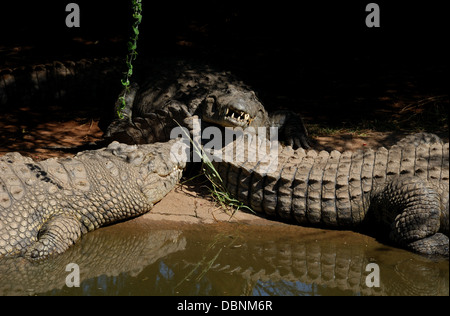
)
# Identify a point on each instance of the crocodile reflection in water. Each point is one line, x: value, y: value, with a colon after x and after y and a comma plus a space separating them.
x: 236, y: 262
x: 109, y: 253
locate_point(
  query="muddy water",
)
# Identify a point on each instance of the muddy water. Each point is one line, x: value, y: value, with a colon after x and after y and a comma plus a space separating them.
x: 227, y: 259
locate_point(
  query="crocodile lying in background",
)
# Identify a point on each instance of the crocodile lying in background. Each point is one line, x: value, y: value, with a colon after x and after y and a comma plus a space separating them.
x: 164, y: 92
x: 46, y: 206
x: 55, y: 82
x: 402, y: 191
x: 177, y: 93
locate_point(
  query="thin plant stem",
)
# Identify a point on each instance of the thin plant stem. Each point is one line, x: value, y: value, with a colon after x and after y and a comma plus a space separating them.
x: 132, y: 55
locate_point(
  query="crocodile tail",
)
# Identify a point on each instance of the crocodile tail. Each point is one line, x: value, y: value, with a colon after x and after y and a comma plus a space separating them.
x: 309, y: 187
x: 321, y: 188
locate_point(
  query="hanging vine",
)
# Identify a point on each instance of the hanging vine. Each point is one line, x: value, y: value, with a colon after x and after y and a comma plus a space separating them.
x: 131, y: 56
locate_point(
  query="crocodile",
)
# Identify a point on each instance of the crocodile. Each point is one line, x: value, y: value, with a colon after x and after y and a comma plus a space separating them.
x: 175, y: 92
x: 402, y: 192
x: 65, y: 81
x: 182, y: 91
x: 47, y: 206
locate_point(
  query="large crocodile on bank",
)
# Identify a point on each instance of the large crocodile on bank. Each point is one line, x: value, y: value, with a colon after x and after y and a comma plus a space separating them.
x: 402, y: 192
x: 46, y: 206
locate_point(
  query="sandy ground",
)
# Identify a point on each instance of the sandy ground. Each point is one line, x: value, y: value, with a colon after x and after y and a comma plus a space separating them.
x: 185, y: 205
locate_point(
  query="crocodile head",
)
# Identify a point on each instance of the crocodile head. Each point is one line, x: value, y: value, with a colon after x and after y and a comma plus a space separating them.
x: 159, y: 166
x: 233, y: 106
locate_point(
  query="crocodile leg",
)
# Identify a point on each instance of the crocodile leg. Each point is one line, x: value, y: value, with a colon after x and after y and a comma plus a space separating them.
x: 412, y: 210
x: 435, y: 244
x: 292, y: 129
x: 55, y: 236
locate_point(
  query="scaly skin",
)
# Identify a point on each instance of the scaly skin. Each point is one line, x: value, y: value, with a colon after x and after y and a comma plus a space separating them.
x: 168, y: 91
x: 60, y: 81
x: 403, y: 189
x: 184, y: 91
x: 45, y: 207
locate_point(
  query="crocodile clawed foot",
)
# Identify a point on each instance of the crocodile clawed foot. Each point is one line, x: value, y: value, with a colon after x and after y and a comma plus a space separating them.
x: 435, y: 245
x: 56, y: 235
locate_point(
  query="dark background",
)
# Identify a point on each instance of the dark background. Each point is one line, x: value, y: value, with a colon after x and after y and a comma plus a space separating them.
x: 316, y: 58
x: 325, y: 27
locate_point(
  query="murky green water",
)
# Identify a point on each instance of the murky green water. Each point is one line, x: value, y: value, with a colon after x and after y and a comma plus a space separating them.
x: 130, y: 259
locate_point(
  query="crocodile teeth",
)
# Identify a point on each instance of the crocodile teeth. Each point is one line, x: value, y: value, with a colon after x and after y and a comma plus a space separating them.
x: 237, y: 116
